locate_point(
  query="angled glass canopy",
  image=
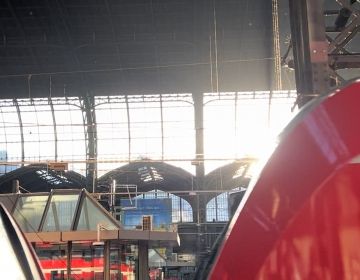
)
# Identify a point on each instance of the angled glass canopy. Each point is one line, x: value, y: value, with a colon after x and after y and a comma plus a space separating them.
x: 61, y: 210
x: 29, y: 210
x: 90, y: 216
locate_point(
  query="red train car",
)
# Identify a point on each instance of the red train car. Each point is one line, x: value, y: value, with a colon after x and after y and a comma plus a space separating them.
x: 55, y: 269
x: 301, y: 218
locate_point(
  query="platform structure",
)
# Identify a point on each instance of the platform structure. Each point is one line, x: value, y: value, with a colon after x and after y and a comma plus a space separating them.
x: 73, y: 235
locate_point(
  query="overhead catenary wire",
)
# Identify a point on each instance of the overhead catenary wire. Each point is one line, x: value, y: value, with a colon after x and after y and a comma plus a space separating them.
x: 128, y: 68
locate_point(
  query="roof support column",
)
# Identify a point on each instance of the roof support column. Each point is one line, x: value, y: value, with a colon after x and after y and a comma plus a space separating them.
x: 143, y: 258
x: 21, y: 131
x: 200, y: 211
x: 129, y: 127
x: 162, y: 127
x: 199, y: 148
x: 107, y: 260
x: 54, y: 126
x: 68, y: 260
x: 310, y: 48
x: 88, y: 110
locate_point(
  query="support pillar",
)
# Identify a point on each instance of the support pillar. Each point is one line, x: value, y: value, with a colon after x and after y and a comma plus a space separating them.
x: 54, y: 127
x: 68, y: 260
x: 21, y: 131
x: 310, y: 48
x: 143, y: 258
x: 200, y: 211
x: 107, y: 260
x: 88, y: 108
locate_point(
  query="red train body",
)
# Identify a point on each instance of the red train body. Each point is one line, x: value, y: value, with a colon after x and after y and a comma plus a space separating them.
x: 301, y: 218
x: 83, y: 269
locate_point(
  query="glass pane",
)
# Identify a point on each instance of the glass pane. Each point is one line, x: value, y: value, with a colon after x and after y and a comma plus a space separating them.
x: 31, y: 132
x: 112, y: 132
x: 222, y: 207
x: 38, y: 129
x: 179, y: 133
x: 186, y: 211
x: 211, y: 211
x: 6, y: 148
x: 61, y: 212
x: 282, y: 110
x: 28, y: 212
x: 145, y: 128
x: 217, y: 209
x: 91, y: 216
x: 46, y: 132
x: 71, y: 136
x: 3, y: 141
x: 219, y: 133
x: 176, y: 215
x: 252, y: 125
x: 11, y: 136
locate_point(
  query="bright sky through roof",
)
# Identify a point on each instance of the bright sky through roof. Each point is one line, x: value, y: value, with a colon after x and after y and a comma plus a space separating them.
x: 235, y: 125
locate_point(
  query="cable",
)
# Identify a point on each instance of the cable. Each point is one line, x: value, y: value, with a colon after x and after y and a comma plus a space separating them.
x: 129, y: 68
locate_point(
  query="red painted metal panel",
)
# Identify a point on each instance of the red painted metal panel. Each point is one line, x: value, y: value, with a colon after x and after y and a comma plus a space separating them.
x: 302, y: 214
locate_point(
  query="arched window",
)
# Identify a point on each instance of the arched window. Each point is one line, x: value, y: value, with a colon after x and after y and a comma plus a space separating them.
x: 217, y: 209
x: 181, y: 209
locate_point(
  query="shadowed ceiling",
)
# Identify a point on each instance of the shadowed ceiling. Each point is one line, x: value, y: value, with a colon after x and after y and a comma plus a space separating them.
x: 105, y: 47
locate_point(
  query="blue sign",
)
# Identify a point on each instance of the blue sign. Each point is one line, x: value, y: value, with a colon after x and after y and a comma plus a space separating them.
x: 160, y: 209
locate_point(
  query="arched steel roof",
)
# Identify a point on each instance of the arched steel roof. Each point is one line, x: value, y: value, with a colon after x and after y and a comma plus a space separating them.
x: 230, y: 176
x: 151, y: 175
x: 38, y: 178
x: 148, y: 176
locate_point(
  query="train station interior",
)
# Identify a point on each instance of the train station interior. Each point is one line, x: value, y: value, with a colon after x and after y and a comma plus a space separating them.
x: 133, y: 132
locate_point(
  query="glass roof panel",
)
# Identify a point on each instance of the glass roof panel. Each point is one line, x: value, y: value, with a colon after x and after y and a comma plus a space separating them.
x: 214, y: 126
x: 91, y: 216
x: 61, y: 212
x: 31, y: 135
x: 52, y: 178
x: 149, y: 174
x: 10, y: 137
x: 145, y: 128
x: 28, y: 212
x: 179, y: 132
x: 71, y: 145
x: 112, y: 132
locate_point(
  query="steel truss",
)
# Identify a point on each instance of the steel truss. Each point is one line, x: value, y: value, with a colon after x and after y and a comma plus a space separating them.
x: 317, y: 55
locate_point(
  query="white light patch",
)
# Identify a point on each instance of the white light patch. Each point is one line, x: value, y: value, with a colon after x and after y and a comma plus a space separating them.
x: 9, y: 265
